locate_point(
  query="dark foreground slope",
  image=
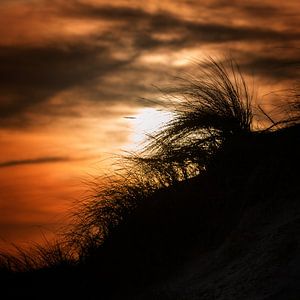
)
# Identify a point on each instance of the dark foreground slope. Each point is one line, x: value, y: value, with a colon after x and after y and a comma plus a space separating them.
x: 246, y: 244
x: 260, y: 257
x: 210, y: 210
x: 232, y: 233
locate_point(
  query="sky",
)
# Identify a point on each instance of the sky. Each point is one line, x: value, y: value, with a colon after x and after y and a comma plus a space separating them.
x: 77, y: 80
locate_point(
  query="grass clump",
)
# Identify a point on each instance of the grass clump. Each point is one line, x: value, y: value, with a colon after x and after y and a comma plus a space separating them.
x: 216, y: 107
x: 183, y: 190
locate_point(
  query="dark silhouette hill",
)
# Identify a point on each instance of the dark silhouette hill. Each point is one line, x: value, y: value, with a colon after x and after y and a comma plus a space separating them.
x: 209, y: 210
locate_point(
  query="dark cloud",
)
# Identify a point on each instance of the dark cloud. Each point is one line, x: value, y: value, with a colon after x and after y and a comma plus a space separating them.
x: 191, y: 31
x: 40, y: 160
x: 257, y: 10
x: 196, y: 34
x: 253, y: 9
x: 273, y: 67
x: 76, y: 9
x: 31, y: 75
x: 268, y: 61
x: 142, y: 27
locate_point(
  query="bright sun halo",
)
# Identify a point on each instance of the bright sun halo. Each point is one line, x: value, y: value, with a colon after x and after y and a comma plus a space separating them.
x: 147, y: 121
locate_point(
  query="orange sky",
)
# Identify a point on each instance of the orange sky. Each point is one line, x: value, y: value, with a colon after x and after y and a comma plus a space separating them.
x: 72, y: 70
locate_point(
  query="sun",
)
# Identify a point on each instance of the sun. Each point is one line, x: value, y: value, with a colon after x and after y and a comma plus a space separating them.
x: 146, y: 121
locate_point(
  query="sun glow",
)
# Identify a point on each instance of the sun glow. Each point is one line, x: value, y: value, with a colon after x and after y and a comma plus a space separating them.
x: 146, y: 121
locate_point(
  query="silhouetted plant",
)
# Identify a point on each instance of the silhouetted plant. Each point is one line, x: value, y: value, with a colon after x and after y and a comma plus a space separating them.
x: 136, y: 217
x: 49, y: 255
x: 97, y: 216
x: 215, y: 107
x: 292, y: 112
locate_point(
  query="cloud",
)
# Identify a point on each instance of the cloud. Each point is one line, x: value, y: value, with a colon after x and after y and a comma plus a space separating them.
x: 32, y: 74
x: 140, y: 23
x: 40, y: 160
x: 272, y: 67
x: 253, y: 9
x: 76, y: 9
x: 163, y: 31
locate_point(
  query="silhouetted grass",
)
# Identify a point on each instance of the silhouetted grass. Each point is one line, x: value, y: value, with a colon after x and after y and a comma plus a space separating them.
x: 53, y: 254
x: 185, y: 190
x: 216, y: 107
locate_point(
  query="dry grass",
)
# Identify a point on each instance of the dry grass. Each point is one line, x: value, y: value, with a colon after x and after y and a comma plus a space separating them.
x: 216, y: 108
